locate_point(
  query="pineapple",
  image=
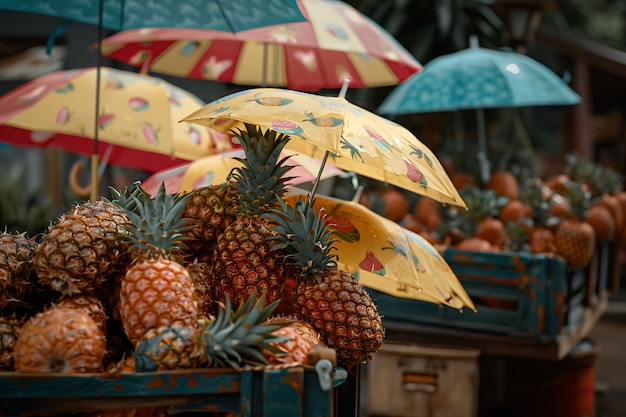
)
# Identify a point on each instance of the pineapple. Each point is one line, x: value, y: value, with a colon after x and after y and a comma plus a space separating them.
x: 9, y: 331
x: 574, y: 238
x: 156, y: 289
x: 88, y: 304
x: 605, y: 214
x: 60, y: 340
x: 233, y: 338
x: 504, y: 184
x: 480, y: 220
x: 329, y: 299
x: 82, y: 249
x: 541, y: 223
x: 210, y: 210
x: 19, y: 288
x: 200, y: 273
x: 243, y: 260
x: 302, y: 338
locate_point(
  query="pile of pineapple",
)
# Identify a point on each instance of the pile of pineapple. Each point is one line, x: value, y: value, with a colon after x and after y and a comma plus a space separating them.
x: 225, y: 276
x: 566, y: 215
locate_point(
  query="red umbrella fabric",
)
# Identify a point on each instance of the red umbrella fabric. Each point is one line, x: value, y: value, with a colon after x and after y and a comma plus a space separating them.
x: 137, y: 122
x: 336, y: 43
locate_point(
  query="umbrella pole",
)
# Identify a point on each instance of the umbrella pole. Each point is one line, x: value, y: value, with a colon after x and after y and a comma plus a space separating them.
x: 342, y: 94
x: 483, y: 161
x: 95, y: 183
x: 318, y: 178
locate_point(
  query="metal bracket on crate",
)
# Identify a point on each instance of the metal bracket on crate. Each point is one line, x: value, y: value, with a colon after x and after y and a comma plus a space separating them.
x: 324, y: 367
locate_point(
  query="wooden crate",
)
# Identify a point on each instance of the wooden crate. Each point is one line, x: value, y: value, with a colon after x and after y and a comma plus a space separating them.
x: 295, y: 392
x: 413, y: 380
x: 517, y: 294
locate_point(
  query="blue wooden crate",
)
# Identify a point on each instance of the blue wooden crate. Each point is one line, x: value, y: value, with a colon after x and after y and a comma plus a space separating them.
x: 516, y: 293
x: 294, y: 391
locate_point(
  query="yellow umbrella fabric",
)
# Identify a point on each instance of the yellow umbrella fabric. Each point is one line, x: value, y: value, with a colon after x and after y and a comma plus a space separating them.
x: 357, y: 140
x: 137, y: 121
x: 386, y: 257
x: 214, y: 169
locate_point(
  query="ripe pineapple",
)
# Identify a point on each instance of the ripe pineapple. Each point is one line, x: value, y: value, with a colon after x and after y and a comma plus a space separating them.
x: 79, y: 252
x: 243, y: 260
x: 329, y: 299
x: 60, y: 340
x: 156, y: 289
x: 574, y: 238
x: 541, y: 223
x: 88, y: 304
x: 602, y: 221
x: 480, y: 220
x: 19, y: 288
x: 301, y: 339
x: 9, y: 331
x: 201, y: 273
x: 233, y: 338
x: 504, y: 183
x: 210, y: 210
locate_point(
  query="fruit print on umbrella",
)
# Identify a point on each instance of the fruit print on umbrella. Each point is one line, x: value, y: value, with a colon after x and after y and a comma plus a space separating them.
x: 384, y: 256
x: 353, y: 138
x: 137, y: 123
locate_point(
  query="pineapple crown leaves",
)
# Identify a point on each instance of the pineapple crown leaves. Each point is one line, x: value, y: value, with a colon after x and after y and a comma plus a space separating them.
x: 155, y: 224
x: 518, y: 236
x: 237, y: 337
x: 261, y: 178
x: 126, y: 197
x: 532, y: 193
x: 578, y: 196
x: 304, y: 236
x: 600, y: 179
x: 481, y: 203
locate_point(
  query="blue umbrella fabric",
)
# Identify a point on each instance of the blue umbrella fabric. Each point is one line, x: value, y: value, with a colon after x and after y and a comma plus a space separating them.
x: 478, y: 78
x: 224, y: 15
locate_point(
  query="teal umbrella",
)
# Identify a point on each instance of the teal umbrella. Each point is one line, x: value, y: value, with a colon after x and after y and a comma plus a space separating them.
x: 478, y: 78
x: 223, y: 15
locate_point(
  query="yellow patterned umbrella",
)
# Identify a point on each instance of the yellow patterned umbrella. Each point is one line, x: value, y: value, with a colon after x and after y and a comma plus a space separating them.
x: 214, y: 169
x: 386, y: 257
x: 137, y: 120
x: 356, y: 139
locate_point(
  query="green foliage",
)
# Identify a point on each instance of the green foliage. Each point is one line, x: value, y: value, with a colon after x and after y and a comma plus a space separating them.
x: 24, y: 211
x: 304, y: 236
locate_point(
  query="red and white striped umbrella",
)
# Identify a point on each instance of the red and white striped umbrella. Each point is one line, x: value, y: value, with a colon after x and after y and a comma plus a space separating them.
x: 336, y: 43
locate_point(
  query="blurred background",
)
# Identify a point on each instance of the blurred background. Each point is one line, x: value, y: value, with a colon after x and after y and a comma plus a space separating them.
x: 582, y: 41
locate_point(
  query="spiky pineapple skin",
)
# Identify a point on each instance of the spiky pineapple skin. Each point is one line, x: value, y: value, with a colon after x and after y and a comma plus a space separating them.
x: 78, y: 253
x: 88, y: 304
x: 301, y: 339
x: 167, y: 348
x: 201, y: 274
x: 156, y: 292
x: 343, y: 312
x: 10, y: 328
x: 575, y: 242
x: 211, y: 209
x: 60, y: 340
x: 18, y: 282
x: 244, y: 262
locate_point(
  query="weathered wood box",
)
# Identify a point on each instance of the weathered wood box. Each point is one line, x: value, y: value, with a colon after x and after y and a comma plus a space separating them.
x: 296, y: 391
x: 517, y: 294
